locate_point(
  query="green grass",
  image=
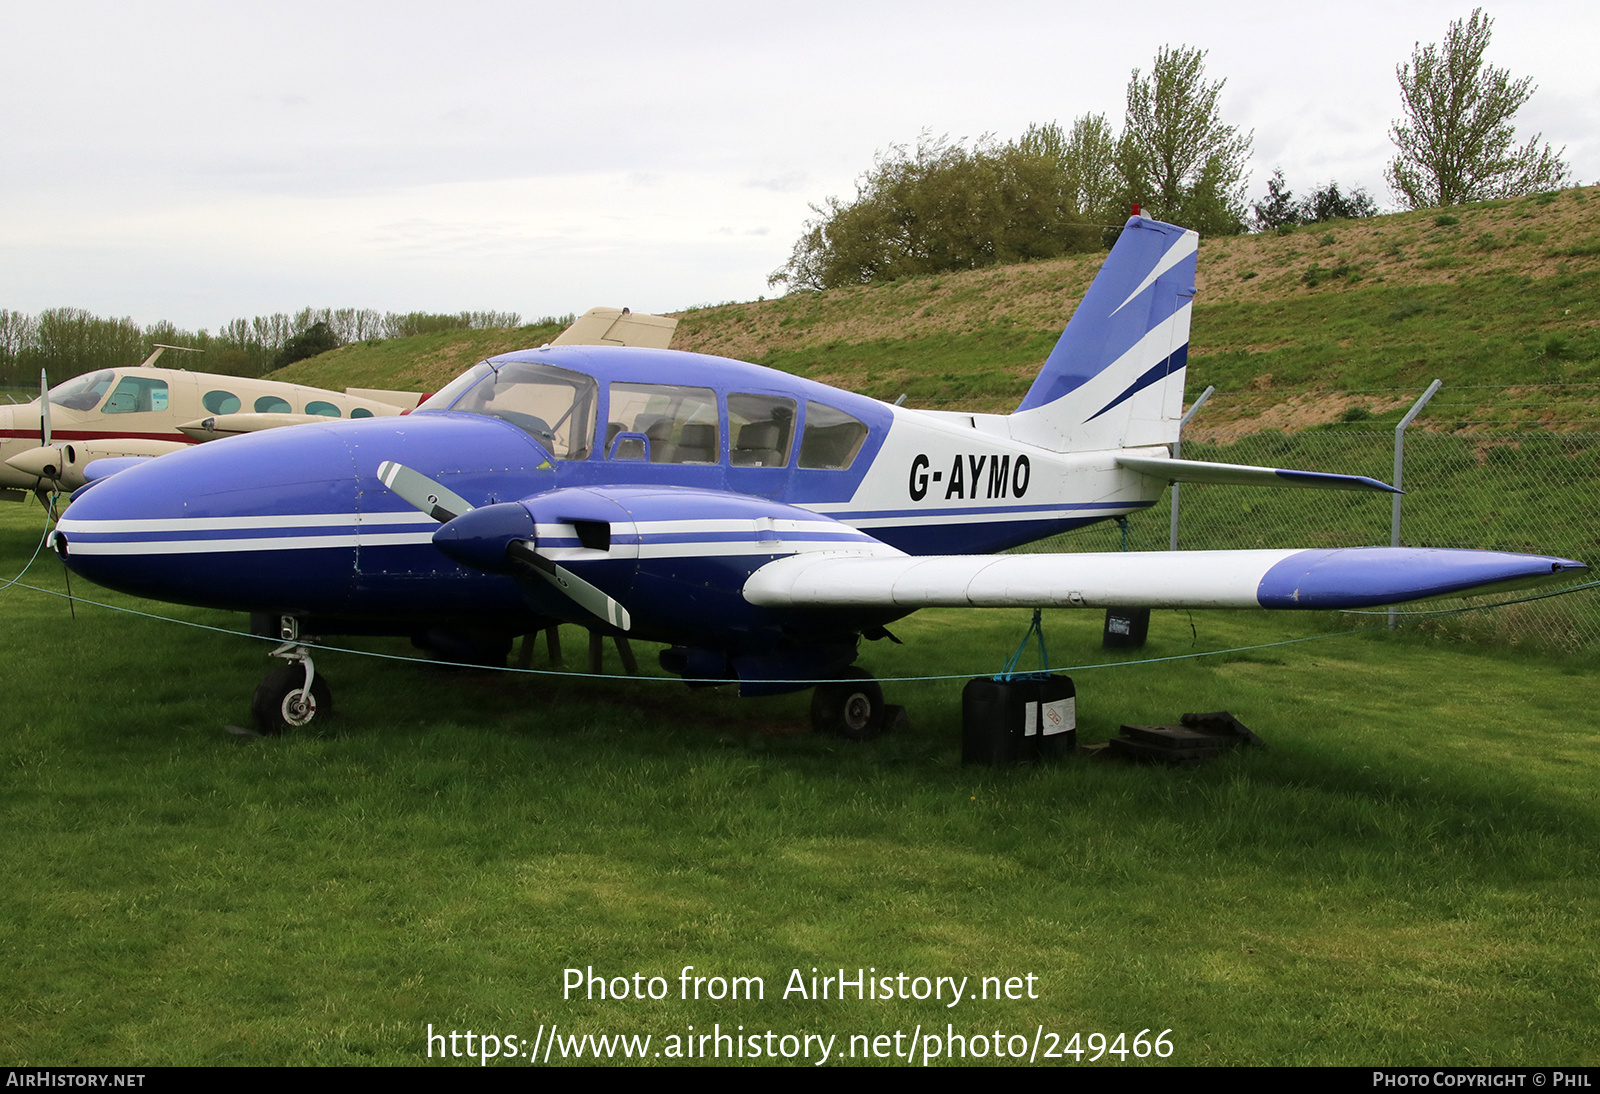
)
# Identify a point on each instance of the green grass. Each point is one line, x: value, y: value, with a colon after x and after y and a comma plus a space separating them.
x: 1478, y: 330
x: 1406, y: 875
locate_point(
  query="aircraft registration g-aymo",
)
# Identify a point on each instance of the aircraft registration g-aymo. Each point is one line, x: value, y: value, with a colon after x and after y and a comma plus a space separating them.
x: 756, y: 523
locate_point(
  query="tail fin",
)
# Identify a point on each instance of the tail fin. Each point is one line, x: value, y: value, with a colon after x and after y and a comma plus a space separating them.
x: 1115, y: 379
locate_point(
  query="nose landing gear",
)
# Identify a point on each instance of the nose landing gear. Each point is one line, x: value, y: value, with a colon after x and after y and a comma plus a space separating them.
x: 292, y: 695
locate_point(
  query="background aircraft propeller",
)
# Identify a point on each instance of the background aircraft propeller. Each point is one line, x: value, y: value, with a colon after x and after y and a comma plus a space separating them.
x: 44, y: 410
x: 444, y: 506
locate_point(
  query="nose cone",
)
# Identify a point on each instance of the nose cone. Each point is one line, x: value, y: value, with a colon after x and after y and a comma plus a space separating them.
x: 284, y: 520
x: 44, y: 461
x: 220, y: 525
x: 479, y: 539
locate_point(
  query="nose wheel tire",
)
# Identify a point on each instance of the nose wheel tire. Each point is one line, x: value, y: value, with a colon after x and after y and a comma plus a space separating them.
x: 278, y: 704
x: 852, y: 708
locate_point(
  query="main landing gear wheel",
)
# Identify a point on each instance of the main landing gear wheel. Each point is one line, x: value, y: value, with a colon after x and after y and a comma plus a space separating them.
x: 279, y: 703
x: 852, y: 708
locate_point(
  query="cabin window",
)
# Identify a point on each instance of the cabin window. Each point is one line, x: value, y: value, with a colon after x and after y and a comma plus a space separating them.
x: 831, y: 439
x: 680, y: 422
x: 82, y: 392
x: 762, y: 429
x: 137, y: 394
x: 327, y: 410
x: 554, y: 406
x: 220, y: 402
x: 272, y: 404
x: 361, y: 412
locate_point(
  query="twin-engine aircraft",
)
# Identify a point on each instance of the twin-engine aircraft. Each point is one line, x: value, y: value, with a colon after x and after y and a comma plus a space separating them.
x: 757, y: 523
x: 130, y: 413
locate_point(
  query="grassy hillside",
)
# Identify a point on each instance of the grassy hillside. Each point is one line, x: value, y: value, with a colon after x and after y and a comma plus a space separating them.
x: 1490, y: 297
x: 425, y: 362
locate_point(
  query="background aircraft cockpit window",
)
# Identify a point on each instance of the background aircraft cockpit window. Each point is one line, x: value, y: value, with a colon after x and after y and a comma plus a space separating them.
x: 272, y: 404
x: 318, y: 406
x: 82, y: 392
x: 137, y: 394
x: 831, y: 438
x: 762, y: 428
x: 555, y: 406
x: 361, y: 412
x: 220, y: 402
x: 681, y: 422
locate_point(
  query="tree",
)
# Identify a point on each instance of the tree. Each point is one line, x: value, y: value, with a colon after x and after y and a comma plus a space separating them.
x: 943, y: 207
x: 1176, y: 157
x: 1090, y: 158
x: 1280, y: 210
x: 1456, y: 142
x: 315, y: 339
x: 1330, y: 203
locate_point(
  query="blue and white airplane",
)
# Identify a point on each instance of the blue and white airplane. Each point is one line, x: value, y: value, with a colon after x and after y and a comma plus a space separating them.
x: 757, y: 523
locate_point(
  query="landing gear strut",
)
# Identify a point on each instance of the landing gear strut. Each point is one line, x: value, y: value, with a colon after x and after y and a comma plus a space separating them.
x: 292, y: 695
x: 852, y: 708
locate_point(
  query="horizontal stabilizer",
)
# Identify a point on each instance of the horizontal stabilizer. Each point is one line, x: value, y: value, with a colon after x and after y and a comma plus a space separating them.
x: 1356, y: 577
x: 1235, y: 474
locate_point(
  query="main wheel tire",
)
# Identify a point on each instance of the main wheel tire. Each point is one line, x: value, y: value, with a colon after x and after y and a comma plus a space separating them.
x: 277, y: 704
x: 852, y: 709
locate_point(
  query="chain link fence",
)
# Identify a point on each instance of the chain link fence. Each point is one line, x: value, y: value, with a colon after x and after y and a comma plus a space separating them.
x: 1505, y: 491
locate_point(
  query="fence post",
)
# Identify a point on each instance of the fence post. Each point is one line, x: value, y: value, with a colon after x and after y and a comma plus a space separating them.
x: 1399, y: 471
x: 1177, y: 449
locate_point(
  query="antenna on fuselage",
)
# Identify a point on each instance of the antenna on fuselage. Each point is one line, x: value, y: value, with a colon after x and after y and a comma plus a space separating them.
x: 160, y: 349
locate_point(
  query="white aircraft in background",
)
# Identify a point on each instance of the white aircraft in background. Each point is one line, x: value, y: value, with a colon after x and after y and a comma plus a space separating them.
x: 147, y: 411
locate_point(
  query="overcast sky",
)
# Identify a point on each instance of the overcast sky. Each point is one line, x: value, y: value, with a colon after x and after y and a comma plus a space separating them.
x: 201, y: 161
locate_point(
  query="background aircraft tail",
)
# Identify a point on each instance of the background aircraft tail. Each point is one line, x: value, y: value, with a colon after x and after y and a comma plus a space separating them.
x: 1115, y: 379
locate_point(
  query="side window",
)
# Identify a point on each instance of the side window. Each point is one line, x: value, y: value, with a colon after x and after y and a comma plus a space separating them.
x: 762, y: 430
x: 137, y: 394
x: 327, y: 410
x: 831, y: 439
x: 220, y: 402
x: 361, y: 412
x: 679, y: 422
x: 272, y: 404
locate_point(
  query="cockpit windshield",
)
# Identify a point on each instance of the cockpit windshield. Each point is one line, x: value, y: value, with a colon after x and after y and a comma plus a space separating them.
x: 555, y: 406
x: 83, y: 392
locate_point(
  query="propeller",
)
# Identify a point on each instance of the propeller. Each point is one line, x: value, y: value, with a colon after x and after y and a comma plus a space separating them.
x: 465, y: 541
x: 44, y: 411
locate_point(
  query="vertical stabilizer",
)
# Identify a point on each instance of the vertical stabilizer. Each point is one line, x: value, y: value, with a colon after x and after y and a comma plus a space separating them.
x: 1115, y: 379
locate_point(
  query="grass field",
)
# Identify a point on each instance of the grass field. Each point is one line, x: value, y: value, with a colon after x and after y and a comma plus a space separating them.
x: 1406, y: 875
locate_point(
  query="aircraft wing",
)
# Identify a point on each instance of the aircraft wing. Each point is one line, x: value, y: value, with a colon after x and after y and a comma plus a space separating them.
x: 1237, y: 474
x: 1356, y: 577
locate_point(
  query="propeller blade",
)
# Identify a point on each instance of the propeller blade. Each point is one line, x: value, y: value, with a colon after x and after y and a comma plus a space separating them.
x: 585, y: 595
x: 44, y: 410
x: 444, y: 505
x: 439, y: 502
